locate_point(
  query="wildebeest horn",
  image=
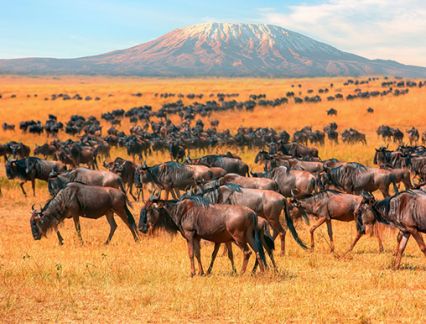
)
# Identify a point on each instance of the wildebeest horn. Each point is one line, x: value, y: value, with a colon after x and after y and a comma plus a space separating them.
x: 32, y: 207
x: 292, y: 193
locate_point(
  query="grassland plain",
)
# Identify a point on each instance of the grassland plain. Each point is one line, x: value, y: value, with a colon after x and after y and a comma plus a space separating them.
x: 149, y: 282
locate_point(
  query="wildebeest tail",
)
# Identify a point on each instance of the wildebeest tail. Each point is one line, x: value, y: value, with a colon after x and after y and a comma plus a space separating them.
x: 130, y: 218
x: 359, y: 224
x: 123, y: 190
x: 257, y: 240
x: 291, y: 227
x: 269, y: 241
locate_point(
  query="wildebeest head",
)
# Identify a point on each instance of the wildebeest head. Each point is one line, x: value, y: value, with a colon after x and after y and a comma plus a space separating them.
x: 11, y: 169
x: 35, y: 223
x: 154, y: 216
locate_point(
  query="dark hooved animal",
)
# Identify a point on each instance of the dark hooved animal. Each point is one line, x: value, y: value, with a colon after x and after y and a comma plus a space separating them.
x: 356, y: 178
x: 290, y: 182
x: 30, y: 169
x: 229, y: 164
x: 405, y: 211
x: 252, y: 182
x: 334, y: 205
x: 196, y: 219
x: 58, y: 181
x: 126, y: 170
x: 77, y: 200
x: 169, y: 176
x: 265, y: 203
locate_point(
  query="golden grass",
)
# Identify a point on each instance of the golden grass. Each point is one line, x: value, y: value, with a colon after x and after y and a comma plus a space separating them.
x: 149, y: 282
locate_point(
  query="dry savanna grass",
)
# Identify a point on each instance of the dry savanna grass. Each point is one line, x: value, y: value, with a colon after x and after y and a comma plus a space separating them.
x: 149, y: 282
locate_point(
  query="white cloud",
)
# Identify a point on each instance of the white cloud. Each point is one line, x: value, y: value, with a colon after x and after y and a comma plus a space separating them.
x: 372, y: 28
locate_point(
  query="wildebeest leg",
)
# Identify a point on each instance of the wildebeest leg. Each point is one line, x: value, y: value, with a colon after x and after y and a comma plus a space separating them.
x: 174, y: 194
x: 321, y: 221
x: 190, y: 241
x: 60, y: 239
x: 398, y: 241
x: 401, y: 249
x: 33, y: 186
x: 214, y: 254
x: 246, y: 252
x: 281, y: 231
x: 262, y: 265
x: 358, y: 236
x: 228, y: 246
x: 197, y: 252
x: 419, y: 239
x: 131, y: 192
x: 378, y: 233
x: 21, y: 184
x: 113, y: 226
x: 77, y: 227
x: 385, y: 191
x: 330, y: 234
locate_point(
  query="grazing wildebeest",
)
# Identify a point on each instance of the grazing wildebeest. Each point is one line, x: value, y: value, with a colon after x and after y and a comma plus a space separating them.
x: 126, y: 170
x: 77, y: 200
x: 302, y: 183
x: 355, y: 178
x: 196, y: 219
x: 58, y: 181
x: 30, y: 169
x: 246, y: 182
x: 265, y: 203
x: 169, y: 176
x: 407, y: 212
x: 334, y: 205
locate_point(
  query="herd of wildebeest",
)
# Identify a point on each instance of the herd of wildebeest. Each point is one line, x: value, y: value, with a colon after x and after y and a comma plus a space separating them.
x: 216, y: 197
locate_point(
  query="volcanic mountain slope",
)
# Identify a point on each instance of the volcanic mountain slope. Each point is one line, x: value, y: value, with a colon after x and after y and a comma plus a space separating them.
x: 220, y: 49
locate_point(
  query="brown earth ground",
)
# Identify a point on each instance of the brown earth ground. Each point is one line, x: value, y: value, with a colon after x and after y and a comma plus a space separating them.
x: 149, y: 282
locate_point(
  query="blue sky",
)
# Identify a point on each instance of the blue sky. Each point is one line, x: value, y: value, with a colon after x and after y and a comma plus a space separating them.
x: 62, y: 28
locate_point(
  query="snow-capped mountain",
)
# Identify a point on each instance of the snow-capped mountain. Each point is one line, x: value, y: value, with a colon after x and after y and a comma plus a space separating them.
x: 220, y: 49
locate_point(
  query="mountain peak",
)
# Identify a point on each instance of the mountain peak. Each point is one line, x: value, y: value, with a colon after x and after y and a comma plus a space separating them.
x: 220, y: 49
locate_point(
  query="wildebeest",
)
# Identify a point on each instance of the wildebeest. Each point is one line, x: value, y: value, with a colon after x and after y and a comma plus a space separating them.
x: 301, y: 183
x: 334, y: 205
x: 169, y: 176
x: 126, y: 170
x: 413, y: 135
x: 195, y: 219
x: 355, y: 178
x: 229, y: 164
x: 58, y: 181
x: 299, y: 150
x: 78, y: 200
x: 407, y: 212
x: 30, y: 169
x: 331, y: 112
x: 17, y: 149
x: 246, y: 182
x: 45, y: 150
x: 265, y: 203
